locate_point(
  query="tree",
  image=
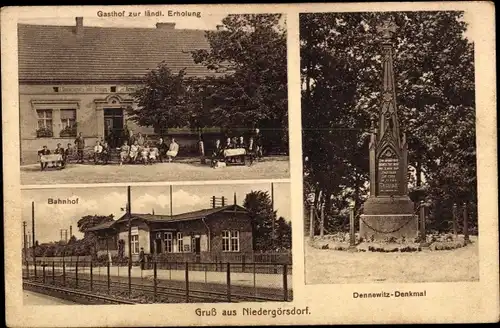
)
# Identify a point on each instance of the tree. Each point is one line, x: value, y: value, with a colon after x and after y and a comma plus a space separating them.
x: 260, y: 209
x: 90, y: 221
x: 162, y: 100
x: 250, y: 88
x: 434, y: 72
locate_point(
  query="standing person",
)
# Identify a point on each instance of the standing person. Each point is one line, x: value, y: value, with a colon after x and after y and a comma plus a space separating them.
x: 43, y: 151
x: 257, y: 137
x: 142, y: 258
x: 80, y: 146
x: 131, y: 137
x: 140, y: 140
x: 173, y: 149
x: 162, y: 149
x: 217, y: 153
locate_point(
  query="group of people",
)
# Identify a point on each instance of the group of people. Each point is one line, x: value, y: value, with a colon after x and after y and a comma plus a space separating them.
x: 252, y: 149
x: 143, y: 151
x: 65, y: 153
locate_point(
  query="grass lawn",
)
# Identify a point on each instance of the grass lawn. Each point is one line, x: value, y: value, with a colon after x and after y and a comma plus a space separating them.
x: 325, y: 266
x: 186, y: 169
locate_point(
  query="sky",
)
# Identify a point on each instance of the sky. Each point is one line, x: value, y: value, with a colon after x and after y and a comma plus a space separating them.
x: 50, y: 218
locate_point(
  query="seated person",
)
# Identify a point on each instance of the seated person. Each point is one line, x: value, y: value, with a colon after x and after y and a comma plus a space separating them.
x: 145, y: 153
x: 60, y: 151
x: 97, y: 152
x: 229, y: 144
x: 241, y: 143
x: 68, y: 153
x: 134, y: 151
x: 105, y: 154
x: 124, y: 152
x: 173, y: 149
x: 44, y: 151
x: 162, y: 149
x: 153, y: 154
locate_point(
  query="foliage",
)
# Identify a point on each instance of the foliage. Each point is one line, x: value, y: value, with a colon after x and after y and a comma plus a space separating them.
x: 250, y: 90
x: 162, y: 99
x: 259, y: 206
x: 90, y: 221
x: 44, y: 133
x: 68, y: 131
x: 341, y: 78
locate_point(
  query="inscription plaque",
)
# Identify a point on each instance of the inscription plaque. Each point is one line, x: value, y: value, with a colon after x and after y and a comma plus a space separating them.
x: 388, y: 173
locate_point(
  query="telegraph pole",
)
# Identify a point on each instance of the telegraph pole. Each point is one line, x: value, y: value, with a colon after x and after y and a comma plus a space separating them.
x: 171, y: 210
x: 24, y: 242
x: 33, y: 233
x: 273, y: 218
x: 129, y: 215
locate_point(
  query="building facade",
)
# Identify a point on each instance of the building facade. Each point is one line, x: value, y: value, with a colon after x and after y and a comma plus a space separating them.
x: 78, y: 79
x: 209, y: 235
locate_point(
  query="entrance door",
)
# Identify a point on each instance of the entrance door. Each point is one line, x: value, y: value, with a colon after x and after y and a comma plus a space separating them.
x: 113, y: 126
x: 197, y: 248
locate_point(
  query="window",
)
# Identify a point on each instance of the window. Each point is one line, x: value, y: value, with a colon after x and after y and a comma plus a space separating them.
x: 135, y: 244
x: 44, y: 128
x: 230, y: 241
x: 168, y: 242
x: 68, y: 122
x: 180, y: 243
x: 235, y: 241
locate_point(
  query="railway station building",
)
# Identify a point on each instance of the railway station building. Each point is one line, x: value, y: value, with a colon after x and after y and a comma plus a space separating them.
x: 78, y: 78
x: 215, y: 234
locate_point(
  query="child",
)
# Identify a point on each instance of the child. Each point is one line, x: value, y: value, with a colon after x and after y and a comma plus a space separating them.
x: 134, y: 151
x: 124, y: 152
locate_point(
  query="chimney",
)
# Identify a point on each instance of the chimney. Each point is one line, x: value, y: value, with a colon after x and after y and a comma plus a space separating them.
x: 79, y: 26
x: 220, y: 27
x: 234, y: 198
x: 70, y: 231
x: 165, y: 26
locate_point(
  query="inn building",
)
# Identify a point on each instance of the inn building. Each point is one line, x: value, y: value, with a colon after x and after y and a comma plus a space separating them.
x: 78, y: 78
x: 220, y: 233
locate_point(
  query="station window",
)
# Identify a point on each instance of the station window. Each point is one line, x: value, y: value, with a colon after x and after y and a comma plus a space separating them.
x: 135, y: 244
x: 168, y: 242
x: 180, y: 242
x: 230, y: 241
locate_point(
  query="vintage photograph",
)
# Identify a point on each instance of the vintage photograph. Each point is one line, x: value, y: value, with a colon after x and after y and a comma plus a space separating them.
x: 136, y: 100
x: 169, y: 244
x: 389, y: 147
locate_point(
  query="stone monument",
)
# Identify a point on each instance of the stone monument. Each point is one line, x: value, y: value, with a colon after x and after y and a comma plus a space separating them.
x: 388, y: 212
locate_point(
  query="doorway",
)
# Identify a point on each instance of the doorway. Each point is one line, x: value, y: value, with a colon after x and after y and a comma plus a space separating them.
x: 113, y: 127
x: 197, y: 248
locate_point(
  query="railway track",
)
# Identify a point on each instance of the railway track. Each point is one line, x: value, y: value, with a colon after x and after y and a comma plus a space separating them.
x: 73, y: 293
x: 172, y: 293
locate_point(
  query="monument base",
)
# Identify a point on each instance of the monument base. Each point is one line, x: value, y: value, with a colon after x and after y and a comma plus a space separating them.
x: 386, y: 217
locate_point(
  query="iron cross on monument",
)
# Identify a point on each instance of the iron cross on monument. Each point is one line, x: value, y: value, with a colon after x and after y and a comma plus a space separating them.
x: 387, y: 29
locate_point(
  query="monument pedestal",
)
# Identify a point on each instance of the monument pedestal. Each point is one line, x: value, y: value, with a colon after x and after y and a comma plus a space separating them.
x: 386, y: 217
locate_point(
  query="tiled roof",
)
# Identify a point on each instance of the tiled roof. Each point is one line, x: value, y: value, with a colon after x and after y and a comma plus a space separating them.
x: 195, y: 215
x: 152, y: 218
x: 104, y: 54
